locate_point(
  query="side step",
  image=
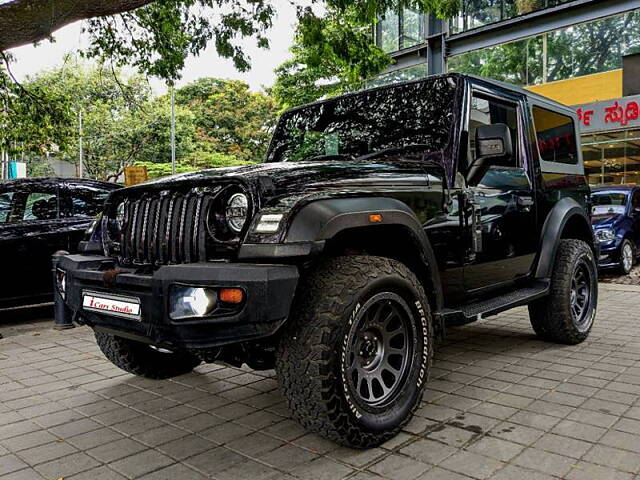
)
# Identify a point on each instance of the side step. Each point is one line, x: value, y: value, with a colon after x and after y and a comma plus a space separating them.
x: 492, y: 306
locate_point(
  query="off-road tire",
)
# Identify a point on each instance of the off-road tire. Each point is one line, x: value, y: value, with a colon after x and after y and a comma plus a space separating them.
x: 310, y: 358
x: 142, y: 360
x: 551, y: 316
x: 626, y: 243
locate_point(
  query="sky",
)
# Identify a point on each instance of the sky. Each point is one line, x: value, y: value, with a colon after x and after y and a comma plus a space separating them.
x: 30, y: 59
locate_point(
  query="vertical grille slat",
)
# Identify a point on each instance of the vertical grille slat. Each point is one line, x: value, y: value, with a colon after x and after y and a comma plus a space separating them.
x: 161, y: 228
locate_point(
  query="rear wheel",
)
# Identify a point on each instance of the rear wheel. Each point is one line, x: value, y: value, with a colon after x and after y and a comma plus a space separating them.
x: 356, y: 353
x: 145, y: 360
x: 627, y: 257
x: 567, y: 314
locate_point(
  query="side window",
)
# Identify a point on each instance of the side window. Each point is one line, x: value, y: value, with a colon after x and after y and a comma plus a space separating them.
x: 86, y: 202
x: 40, y: 206
x: 556, y: 137
x: 635, y: 200
x: 488, y: 111
x: 5, y: 206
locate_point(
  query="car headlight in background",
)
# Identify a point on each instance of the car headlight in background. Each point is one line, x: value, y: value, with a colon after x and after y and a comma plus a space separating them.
x: 236, y: 212
x: 120, y: 216
x: 605, y: 235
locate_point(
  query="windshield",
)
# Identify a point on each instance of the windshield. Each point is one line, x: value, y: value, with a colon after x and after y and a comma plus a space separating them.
x: 418, y: 113
x: 609, y: 203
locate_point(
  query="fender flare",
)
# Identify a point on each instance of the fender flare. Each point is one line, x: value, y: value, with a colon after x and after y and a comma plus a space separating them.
x: 322, y: 220
x: 563, y: 211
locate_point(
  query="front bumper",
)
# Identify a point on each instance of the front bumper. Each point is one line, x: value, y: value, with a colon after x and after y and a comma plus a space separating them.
x: 610, y: 254
x: 269, y: 293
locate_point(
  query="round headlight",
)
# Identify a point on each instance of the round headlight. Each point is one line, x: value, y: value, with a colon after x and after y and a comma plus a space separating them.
x: 236, y: 211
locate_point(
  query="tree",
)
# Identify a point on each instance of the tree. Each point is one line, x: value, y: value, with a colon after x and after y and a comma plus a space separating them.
x: 156, y: 36
x: 331, y: 54
x: 230, y: 119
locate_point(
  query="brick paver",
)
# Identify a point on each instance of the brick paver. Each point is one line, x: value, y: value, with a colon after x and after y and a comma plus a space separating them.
x: 500, y: 405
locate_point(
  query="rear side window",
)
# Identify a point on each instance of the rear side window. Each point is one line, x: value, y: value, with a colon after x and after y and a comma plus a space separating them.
x: 556, y: 136
x: 87, y: 203
x: 5, y: 206
x: 41, y: 206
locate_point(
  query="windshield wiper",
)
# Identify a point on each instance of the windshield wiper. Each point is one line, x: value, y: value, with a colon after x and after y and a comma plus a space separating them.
x: 386, y: 151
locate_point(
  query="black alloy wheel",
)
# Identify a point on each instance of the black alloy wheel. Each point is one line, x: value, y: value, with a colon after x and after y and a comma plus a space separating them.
x: 567, y: 314
x: 379, y: 350
x: 581, y: 286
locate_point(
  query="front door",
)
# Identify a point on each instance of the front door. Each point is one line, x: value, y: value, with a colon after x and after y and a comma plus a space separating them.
x: 29, y: 235
x: 500, y: 214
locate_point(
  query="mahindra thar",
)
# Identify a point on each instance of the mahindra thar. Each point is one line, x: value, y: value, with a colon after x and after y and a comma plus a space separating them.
x: 377, y: 219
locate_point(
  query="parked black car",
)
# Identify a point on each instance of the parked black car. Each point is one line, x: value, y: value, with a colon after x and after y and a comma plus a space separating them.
x: 37, y: 218
x: 378, y: 218
x: 616, y: 225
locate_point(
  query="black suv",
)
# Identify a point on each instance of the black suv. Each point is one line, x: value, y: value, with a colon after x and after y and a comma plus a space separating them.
x: 378, y: 218
x: 39, y: 216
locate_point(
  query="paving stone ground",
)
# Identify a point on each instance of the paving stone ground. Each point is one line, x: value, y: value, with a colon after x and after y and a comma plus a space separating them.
x: 611, y: 276
x: 501, y: 405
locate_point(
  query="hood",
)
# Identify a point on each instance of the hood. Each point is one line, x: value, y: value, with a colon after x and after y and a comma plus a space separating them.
x: 301, y: 177
x: 608, y: 220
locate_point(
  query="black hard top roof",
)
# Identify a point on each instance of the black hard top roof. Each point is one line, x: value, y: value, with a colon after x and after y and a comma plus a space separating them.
x: 472, y: 78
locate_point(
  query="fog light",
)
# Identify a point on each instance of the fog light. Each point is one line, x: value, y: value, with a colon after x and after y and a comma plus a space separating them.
x: 190, y: 302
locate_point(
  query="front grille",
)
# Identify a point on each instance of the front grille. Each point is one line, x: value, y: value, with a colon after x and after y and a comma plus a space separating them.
x: 161, y: 228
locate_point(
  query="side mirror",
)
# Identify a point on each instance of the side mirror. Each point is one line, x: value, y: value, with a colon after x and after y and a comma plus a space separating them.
x: 493, y: 148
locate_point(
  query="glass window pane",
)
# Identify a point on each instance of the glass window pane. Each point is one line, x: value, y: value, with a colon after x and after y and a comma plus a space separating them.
x: 406, y: 74
x: 41, y: 206
x: 389, y: 32
x: 411, y: 28
x: 488, y: 112
x: 571, y: 52
x: 476, y: 13
x: 556, y: 136
x: 5, y: 206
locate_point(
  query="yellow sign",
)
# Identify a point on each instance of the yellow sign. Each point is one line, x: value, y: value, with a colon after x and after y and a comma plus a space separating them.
x: 135, y: 175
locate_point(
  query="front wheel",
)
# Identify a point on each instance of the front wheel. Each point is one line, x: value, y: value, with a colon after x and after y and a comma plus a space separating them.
x: 354, y: 358
x: 627, y: 257
x: 567, y: 314
x: 145, y: 360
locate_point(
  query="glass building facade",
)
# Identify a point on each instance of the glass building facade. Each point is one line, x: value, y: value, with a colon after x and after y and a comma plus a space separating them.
x: 477, y: 13
x: 567, y: 53
x: 399, y: 30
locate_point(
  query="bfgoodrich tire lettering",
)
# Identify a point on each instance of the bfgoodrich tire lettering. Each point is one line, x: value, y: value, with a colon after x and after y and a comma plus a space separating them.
x: 567, y: 314
x: 142, y: 360
x: 314, y: 354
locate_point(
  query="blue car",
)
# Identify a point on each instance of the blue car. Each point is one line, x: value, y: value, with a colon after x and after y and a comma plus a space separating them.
x: 616, y: 225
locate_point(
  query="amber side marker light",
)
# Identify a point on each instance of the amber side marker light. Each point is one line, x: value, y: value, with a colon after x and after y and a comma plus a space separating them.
x: 231, y: 295
x: 375, y: 218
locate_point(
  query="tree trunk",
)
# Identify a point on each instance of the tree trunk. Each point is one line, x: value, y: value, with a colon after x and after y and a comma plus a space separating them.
x: 28, y: 21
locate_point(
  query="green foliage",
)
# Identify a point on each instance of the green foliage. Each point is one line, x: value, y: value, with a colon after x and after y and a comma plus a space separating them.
x: 157, y: 38
x: 218, y: 122
x: 335, y: 53
x: 192, y: 163
x: 331, y: 54
x: 229, y: 118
